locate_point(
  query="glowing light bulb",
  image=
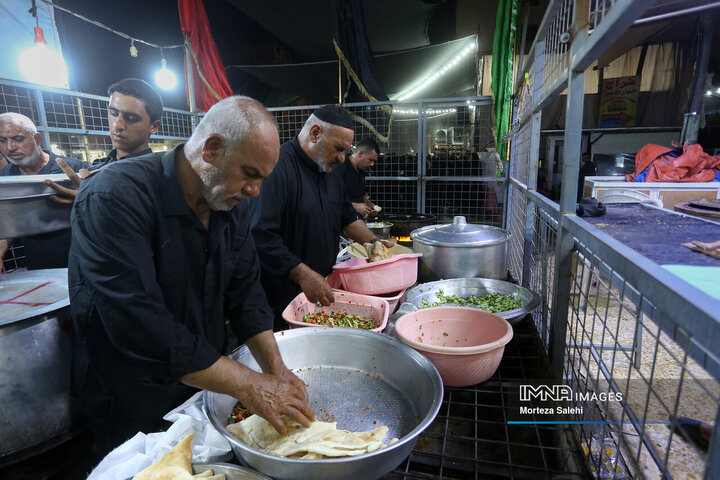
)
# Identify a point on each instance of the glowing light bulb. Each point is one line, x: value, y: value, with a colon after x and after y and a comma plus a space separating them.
x: 165, y: 78
x: 40, y: 64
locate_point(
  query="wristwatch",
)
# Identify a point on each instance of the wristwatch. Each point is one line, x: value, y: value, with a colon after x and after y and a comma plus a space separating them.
x: 376, y: 239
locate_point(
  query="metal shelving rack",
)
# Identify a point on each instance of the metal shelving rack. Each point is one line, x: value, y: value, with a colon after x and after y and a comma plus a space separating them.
x: 557, y: 254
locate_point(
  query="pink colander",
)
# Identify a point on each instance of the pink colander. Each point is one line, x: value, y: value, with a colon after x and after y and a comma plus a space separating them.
x: 465, y: 344
x: 385, y: 276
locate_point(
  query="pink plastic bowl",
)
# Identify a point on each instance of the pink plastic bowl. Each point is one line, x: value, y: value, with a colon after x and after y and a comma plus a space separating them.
x: 465, y: 344
x: 392, y: 298
x: 348, y: 302
x: 386, y: 276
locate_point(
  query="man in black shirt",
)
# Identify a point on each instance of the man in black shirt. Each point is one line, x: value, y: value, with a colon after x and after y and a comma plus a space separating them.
x: 134, y: 114
x: 159, y: 258
x: 352, y: 173
x: 303, y: 210
x: 20, y: 143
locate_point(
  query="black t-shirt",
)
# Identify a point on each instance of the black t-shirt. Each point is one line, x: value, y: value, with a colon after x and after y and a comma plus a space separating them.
x: 354, y: 180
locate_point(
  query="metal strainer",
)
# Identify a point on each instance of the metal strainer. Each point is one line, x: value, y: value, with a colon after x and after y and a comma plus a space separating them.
x: 360, y: 380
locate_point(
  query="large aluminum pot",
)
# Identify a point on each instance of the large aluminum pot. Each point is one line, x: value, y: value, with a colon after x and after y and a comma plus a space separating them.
x: 35, y: 367
x: 461, y: 250
x: 29, y: 196
x: 356, y: 378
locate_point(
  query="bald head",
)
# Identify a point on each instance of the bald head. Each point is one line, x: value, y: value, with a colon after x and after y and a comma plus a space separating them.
x: 235, y: 147
x: 20, y: 142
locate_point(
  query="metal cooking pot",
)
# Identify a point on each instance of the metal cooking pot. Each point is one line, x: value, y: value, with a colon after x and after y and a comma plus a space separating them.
x: 404, y: 223
x: 461, y: 250
x: 359, y: 379
x: 35, y: 366
x: 381, y: 229
x: 29, y: 195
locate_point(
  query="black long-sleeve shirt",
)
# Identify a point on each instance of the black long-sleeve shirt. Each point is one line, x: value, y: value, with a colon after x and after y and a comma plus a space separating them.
x: 112, y: 158
x: 302, y: 214
x: 150, y: 287
x: 354, y: 180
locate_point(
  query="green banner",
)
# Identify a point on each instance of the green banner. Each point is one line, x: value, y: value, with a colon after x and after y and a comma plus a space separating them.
x: 502, y: 69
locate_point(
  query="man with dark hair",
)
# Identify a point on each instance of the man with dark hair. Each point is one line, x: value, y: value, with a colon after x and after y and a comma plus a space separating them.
x: 352, y: 174
x: 303, y: 210
x: 134, y: 114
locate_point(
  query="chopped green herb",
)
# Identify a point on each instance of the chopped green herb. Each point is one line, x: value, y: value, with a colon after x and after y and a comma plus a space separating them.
x: 491, y: 302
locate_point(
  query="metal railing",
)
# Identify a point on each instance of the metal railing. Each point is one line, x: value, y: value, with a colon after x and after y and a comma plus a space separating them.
x: 611, y: 320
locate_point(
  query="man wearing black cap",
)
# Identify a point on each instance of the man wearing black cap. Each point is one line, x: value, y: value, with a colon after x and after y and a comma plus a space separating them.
x: 302, y: 211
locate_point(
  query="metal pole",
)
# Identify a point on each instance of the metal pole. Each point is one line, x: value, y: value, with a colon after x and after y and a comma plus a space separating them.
x: 691, y: 124
x: 42, y: 116
x: 190, y: 84
x: 81, y: 117
x: 340, y: 95
x: 421, y: 164
x: 568, y: 195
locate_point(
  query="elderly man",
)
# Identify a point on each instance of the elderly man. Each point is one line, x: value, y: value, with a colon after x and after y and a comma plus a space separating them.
x: 20, y: 144
x: 303, y: 210
x: 352, y: 174
x: 159, y: 258
x: 134, y: 114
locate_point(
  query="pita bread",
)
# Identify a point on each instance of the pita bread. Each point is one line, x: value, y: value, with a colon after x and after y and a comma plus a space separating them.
x: 376, y: 251
x: 179, y: 456
x: 321, y: 440
x: 171, y: 473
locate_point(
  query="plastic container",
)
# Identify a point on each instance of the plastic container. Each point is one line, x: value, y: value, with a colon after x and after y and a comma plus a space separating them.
x: 392, y: 298
x: 385, y: 276
x: 364, y: 305
x: 465, y: 344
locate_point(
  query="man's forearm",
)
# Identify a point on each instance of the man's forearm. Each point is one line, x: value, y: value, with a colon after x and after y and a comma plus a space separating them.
x: 265, y: 350
x: 359, y: 232
x: 224, y: 376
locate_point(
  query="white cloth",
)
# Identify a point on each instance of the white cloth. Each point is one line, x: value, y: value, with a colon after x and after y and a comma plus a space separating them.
x: 143, y: 450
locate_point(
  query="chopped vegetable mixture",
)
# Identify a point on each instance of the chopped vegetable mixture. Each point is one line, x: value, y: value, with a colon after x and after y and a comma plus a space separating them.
x: 239, y: 413
x: 491, y: 302
x: 340, y: 319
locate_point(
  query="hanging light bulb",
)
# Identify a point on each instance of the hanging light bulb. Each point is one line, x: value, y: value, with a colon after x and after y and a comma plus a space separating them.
x: 165, y: 78
x: 133, y: 49
x: 41, y: 64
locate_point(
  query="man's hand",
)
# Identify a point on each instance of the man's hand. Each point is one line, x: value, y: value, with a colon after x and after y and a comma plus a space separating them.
x: 272, y: 396
x: 388, y: 244
x: 363, y: 209
x: 67, y: 195
x: 313, y: 285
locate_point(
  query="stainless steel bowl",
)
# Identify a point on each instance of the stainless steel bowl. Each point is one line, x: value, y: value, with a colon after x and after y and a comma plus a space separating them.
x: 231, y: 472
x: 26, y: 207
x: 381, y: 229
x: 466, y: 287
x: 358, y: 378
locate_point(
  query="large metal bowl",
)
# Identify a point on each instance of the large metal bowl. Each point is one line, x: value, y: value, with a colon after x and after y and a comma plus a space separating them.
x: 362, y: 380
x: 466, y: 287
x: 26, y: 207
x: 381, y: 229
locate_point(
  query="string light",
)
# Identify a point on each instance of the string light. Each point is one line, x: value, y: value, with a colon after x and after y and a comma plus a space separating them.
x: 469, y: 48
x: 133, y: 49
x: 411, y: 111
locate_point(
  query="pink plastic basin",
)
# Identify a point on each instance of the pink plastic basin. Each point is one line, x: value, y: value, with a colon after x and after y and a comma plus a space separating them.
x: 386, y: 276
x: 465, y: 344
x: 393, y: 298
x: 347, y: 302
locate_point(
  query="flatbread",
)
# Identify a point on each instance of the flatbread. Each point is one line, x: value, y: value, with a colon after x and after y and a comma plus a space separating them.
x: 376, y: 251
x: 171, y: 473
x: 321, y: 440
x: 179, y: 456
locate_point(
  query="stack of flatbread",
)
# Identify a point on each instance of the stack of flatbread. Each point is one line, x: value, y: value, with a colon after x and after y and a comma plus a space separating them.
x: 321, y: 440
x: 376, y: 251
x: 176, y: 465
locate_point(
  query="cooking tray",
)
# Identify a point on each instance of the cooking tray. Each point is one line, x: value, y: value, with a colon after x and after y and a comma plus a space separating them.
x: 359, y: 379
x: 466, y: 287
x: 26, y: 207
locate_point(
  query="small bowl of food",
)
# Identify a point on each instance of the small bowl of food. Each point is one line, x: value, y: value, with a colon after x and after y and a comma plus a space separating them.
x: 349, y: 310
x: 465, y: 344
x: 381, y: 229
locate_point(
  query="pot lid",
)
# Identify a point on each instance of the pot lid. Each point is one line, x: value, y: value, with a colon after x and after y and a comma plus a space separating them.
x: 460, y: 234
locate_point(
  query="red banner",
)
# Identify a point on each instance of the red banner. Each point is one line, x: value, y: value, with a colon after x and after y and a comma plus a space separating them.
x: 209, y: 77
